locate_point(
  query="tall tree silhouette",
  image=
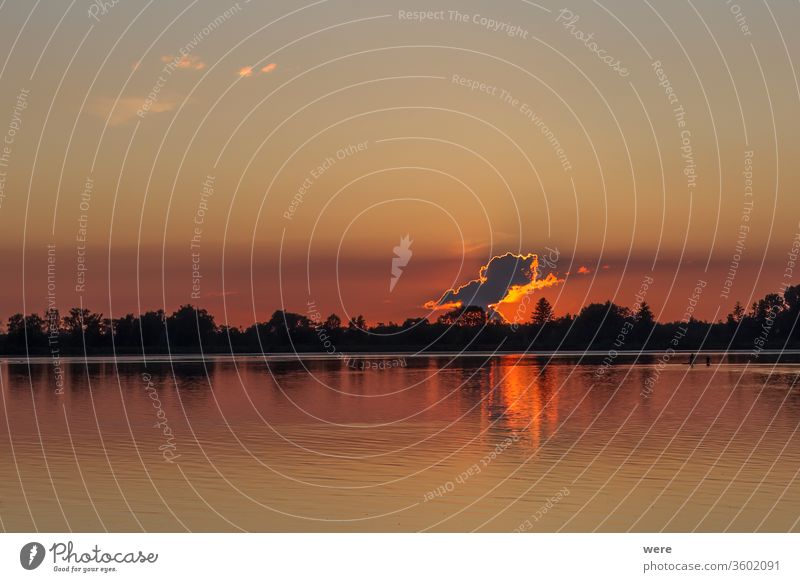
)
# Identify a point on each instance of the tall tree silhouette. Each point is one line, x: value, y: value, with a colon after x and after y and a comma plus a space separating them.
x: 83, y: 326
x: 333, y: 322
x: 190, y: 326
x: 543, y: 312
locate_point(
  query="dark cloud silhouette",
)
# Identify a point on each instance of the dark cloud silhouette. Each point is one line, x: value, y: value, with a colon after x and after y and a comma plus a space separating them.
x: 504, y: 279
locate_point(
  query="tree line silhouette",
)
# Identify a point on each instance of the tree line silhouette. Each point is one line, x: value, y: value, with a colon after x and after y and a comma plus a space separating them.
x: 770, y: 322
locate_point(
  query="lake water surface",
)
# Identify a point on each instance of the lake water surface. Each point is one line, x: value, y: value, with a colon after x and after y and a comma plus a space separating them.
x: 439, y: 443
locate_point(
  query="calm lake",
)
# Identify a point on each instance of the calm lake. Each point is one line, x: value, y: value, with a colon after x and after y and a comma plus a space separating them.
x: 438, y: 443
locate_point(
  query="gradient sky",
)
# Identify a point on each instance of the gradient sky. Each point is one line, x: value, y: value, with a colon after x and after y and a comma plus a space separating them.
x: 262, y: 100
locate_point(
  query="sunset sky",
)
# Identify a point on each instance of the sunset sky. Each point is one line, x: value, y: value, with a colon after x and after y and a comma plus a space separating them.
x: 282, y: 150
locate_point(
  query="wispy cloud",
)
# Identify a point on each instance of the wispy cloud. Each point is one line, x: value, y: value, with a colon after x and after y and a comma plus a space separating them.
x: 221, y: 293
x: 121, y: 111
x: 265, y: 70
x: 192, y: 62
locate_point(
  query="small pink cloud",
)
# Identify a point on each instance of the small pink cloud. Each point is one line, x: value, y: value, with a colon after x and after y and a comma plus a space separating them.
x: 249, y: 71
x: 221, y: 293
x: 192, y: 62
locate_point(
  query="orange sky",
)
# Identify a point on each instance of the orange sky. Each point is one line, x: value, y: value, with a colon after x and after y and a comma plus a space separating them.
x: 282, y: 153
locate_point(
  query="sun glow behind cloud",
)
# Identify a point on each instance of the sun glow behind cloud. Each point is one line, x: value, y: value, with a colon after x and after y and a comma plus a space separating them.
x: 501, y: 284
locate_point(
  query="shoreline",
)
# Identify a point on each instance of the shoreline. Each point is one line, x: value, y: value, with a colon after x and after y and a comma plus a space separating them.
x: 324, y: 356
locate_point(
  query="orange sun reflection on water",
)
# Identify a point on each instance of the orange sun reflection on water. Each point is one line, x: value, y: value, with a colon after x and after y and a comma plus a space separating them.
x: 523, y: 398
